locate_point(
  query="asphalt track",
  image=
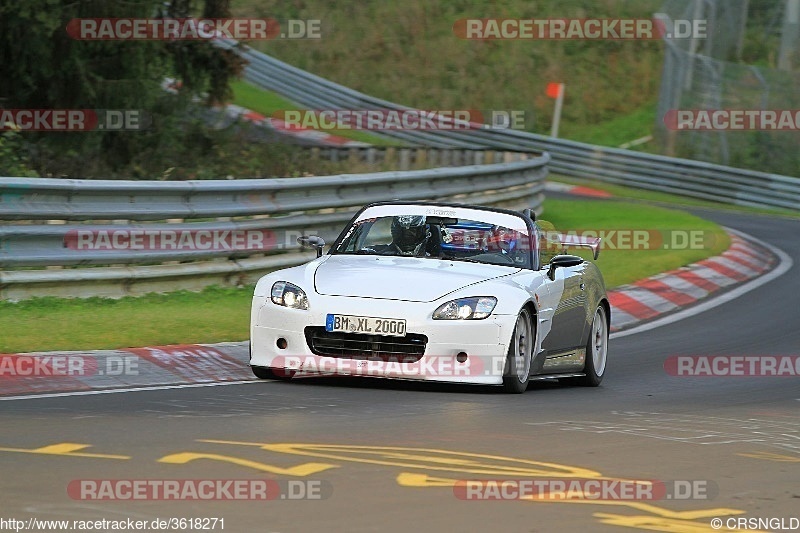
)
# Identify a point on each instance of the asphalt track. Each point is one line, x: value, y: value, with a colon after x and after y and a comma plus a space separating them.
x: 739, y: 437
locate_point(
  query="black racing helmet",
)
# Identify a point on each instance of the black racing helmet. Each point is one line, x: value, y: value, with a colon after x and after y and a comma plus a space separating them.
x: 409, y: 232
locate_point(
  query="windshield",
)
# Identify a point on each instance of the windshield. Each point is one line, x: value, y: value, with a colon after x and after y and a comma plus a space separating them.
x: 444, y: 236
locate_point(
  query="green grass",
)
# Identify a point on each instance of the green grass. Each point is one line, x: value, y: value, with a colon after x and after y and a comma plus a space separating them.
x: 222, y: 314
x: 406, y: 52
x: 265, y: 102
x: 619, y: 130
x: 268, y: 103
x: 620, y: 266
x: 213, y: 315
x: 657, y: 197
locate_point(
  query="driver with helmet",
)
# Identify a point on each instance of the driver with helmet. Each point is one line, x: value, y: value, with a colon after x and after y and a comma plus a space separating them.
x: 410, y: 237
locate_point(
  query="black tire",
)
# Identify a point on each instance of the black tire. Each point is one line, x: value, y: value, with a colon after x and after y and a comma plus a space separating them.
x: 520, y: 352
x: 263, y: 372
x: 596, y: 350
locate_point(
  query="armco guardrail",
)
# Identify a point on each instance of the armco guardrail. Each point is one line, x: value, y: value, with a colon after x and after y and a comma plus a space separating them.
x: 154, y: 235
x: 679, y: 176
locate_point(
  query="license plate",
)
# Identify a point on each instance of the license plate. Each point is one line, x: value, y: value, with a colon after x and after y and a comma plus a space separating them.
x: 365, y: 324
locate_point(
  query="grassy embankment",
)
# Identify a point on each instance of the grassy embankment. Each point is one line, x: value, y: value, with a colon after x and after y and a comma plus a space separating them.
x: 407, y: 52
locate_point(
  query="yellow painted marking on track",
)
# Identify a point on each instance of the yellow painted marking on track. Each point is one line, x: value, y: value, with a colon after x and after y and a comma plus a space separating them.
x: 408, y: 479
x: 427, y: 458
x: 69, y: 449
x: 645, y: 507
x: 769, y: 456
x: 661, y: 519
x: 657, y: 519
x: 432, y: 459
x: 306, y: 469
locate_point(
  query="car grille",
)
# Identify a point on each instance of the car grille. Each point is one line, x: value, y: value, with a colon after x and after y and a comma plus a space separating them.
x: 408, y: 349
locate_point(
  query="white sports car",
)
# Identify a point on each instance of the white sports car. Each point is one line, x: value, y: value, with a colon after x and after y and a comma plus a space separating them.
x: 436, y: 292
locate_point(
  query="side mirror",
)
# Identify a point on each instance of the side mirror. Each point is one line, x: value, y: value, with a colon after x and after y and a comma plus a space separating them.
x: 530, y: 213
x: 312, y: 241
x: 562, y: 261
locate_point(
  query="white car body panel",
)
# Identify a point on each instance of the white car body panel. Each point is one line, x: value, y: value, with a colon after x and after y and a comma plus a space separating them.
x: 365, y: 276
x: 485, y: 341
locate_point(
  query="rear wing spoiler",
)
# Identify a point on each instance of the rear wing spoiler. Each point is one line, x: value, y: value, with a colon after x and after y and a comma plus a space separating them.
x: 566, y: 241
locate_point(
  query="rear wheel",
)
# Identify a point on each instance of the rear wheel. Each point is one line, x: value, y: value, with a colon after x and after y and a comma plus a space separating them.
x: 596, y: 350
x: 518, y: 360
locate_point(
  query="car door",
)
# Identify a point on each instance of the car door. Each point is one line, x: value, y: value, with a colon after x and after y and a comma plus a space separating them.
x: 563, y: 343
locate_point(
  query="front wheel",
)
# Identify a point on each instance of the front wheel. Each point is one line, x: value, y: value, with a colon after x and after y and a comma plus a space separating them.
x: 596, y: 350
x: 518, y: 360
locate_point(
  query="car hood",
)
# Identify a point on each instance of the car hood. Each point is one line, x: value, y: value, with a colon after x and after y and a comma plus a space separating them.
x: 400, y: 278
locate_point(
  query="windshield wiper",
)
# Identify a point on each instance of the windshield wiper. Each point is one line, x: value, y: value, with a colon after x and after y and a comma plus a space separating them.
x: 448, y: 257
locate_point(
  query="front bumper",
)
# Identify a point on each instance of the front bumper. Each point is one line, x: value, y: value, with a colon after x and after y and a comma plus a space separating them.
x: 278, y: 341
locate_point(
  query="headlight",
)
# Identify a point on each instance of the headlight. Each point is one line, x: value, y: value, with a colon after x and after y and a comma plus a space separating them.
x: 288, y: 295
x: 466, y: 308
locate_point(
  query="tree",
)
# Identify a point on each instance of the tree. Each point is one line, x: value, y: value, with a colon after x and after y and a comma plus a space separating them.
x: 42, y: 67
